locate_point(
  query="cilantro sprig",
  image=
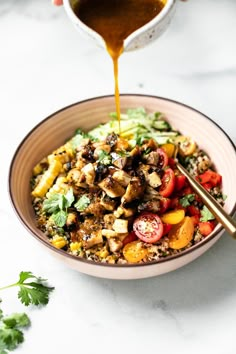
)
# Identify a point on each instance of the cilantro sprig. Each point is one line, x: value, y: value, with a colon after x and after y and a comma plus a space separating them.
x: 57, y: 205
x: 11, y: 334
x: 32, y: 290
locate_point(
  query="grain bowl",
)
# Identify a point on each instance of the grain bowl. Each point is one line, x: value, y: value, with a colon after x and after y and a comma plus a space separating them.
x: 53, y: 131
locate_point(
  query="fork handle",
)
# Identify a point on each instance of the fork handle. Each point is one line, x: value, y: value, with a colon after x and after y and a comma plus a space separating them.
x: 220, y: 214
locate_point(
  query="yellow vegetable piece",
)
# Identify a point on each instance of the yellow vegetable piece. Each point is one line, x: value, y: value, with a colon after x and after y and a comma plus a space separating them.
x: 103, y: 253
x: 173, y: 217
x: 134, y: 252
x: 47, y: 179
x: 59, y: 242
x: 75, y: 246
x: 181, y: 234
x: 37, y: 169
x: 186, y: 145
x: 169, y: 149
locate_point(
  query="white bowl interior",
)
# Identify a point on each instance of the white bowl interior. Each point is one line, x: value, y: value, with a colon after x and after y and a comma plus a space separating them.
x: 55, y: 130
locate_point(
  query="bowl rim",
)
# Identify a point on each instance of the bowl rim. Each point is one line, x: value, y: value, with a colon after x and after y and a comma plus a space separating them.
x: 90, y: 262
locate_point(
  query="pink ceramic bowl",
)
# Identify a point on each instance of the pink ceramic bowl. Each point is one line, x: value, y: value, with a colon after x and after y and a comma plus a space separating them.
x: 55, y: 129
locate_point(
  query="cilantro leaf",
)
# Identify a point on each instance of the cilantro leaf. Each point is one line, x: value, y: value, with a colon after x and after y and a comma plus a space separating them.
x: 59, y: 218
x: 82, y: 203
x: 206, y: 215
x: 52, y: 204
x: 35, y: 292
x: 24, y: 276
x: 31, y: 292
x: 187, y: 199
x: 10, y: 338
x: 58, y: 202
x: 16, y: 320
x: 104, y: 158
x: 10, y: 334
x: 69, y: 198
x: 57, y: 205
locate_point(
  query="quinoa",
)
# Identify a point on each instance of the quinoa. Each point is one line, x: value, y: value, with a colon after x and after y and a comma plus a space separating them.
x: 87, y: 196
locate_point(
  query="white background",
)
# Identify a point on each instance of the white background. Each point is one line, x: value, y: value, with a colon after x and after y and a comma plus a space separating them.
x: 44, y: 65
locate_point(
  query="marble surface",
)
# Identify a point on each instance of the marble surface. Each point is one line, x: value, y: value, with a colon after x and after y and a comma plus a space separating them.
x: 44, y: 65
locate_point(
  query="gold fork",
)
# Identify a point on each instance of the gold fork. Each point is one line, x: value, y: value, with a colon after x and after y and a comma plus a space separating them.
x: 217, y: 210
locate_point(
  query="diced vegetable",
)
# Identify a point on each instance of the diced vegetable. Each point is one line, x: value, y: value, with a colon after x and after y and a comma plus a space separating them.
x: 206, y: 227
x: 210, y: 177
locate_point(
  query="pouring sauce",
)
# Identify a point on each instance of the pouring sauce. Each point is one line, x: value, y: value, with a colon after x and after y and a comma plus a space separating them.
x: 115, y: 20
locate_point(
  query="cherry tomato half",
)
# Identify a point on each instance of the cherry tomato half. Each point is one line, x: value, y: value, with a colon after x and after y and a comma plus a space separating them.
x: 148, y: 227
x: 181, y: 234
x: 163, y: 158
x: 168, y: 183
x: 134, y: 251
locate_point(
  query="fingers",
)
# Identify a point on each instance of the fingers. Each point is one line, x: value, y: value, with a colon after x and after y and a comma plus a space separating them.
x: 57, y: 2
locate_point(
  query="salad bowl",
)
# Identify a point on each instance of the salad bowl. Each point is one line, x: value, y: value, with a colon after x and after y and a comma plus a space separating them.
x: 88, y: 114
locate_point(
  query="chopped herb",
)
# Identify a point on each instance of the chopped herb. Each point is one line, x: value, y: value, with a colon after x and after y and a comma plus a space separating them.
x: 69, y: 198
x: 53, y: 204
x: 82, y: 203
x: 59, y: 218
x: 104, y: 158
x: 224, y: 197
x: 57, y: 205
x: 187, y: 199
x: 206, y: 215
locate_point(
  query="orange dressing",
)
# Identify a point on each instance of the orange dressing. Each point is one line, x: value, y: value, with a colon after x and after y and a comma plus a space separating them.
x: 115, y: 20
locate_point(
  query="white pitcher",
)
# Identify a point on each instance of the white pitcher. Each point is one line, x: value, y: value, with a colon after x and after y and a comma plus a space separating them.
x: 138, y: 39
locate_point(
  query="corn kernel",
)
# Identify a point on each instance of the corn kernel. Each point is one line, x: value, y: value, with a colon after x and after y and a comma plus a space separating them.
x: 37, y: 169
x: 75, y: 246
x: 59, y: 242
x: 103, y: 253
